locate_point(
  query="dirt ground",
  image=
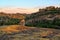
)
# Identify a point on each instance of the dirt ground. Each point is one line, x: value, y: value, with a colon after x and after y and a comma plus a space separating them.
x: 33, y: 33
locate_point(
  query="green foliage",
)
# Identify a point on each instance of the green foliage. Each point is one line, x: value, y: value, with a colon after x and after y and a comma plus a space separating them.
x: 4, y: 20
x: 46, y: 23
x: 56, y: 22
x: 12, y: 21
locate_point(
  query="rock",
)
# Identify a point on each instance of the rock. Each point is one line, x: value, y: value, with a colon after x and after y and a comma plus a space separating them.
x: 56, y: 37
x: 46, y: 34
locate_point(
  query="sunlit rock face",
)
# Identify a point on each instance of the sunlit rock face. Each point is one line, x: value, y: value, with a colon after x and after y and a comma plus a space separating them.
x: 18, y: 10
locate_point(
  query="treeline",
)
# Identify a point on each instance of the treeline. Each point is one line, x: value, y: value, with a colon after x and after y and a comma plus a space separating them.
x: 5, y: 20
x: 48, y: 17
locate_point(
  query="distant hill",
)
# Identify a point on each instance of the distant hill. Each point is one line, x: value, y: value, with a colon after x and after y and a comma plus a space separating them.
x: 17, y: 15
x: 11, y: 19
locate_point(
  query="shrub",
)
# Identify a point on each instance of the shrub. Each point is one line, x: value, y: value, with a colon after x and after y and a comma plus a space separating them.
x: 8, y: 21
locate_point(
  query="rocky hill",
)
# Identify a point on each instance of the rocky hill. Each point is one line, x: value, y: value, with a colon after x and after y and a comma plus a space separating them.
x: 47, y: 17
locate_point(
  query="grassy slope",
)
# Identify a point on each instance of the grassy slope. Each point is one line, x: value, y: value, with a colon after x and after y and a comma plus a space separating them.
x: 18, y: 32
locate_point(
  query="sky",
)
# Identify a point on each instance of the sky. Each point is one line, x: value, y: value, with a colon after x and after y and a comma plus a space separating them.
x: 28, y: 3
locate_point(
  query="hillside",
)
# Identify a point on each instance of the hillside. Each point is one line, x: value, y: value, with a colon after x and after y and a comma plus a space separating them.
x: 48, y: 17
x: 17, y: 15
x: 41, y: 25
x: 11, y: 19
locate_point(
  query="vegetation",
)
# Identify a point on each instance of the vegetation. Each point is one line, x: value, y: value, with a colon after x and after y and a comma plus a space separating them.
x: 5, y: 20
x: 48, y: 17
x: 11, y: 19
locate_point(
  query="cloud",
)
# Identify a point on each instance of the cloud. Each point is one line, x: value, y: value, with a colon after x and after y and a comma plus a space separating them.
x: 18, y: 10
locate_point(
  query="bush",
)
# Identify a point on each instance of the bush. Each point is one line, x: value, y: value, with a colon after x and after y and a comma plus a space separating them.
x: 8, y: 21
x: 46, y: 23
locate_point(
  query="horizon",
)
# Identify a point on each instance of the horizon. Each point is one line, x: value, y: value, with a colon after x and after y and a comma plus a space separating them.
x: 13, y: 10
x: 26, y: 6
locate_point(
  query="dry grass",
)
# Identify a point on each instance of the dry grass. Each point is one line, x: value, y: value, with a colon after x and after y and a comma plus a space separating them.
x: 14, y: 28
x: 30, y: 33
